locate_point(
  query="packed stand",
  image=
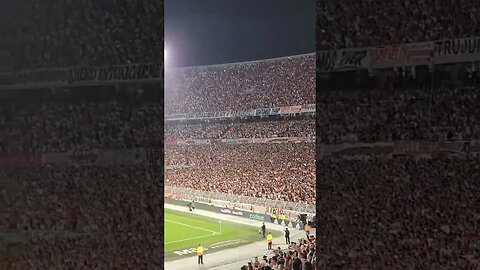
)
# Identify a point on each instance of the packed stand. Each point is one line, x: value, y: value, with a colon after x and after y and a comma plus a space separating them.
x: 123, y: 198
x: 80, y: 126
x: 272, y: 171
x: 443, y: 114
x: 351, y: 23
x: 53, y: 33
x: 105, y: 251
x: 400, y: 213
x: 122, y: 218
x: 285, y: 81
x: 62, y: 216
x: 234, y: 130
x: 297, y: 256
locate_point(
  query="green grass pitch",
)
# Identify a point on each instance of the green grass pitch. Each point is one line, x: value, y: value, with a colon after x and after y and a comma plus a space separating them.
x: 184, y: 231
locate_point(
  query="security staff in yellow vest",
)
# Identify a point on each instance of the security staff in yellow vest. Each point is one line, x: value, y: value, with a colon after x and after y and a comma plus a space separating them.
x: 200, y: 251
x: 269, y: 240
x: 282, y: 218
x: 274, y: 216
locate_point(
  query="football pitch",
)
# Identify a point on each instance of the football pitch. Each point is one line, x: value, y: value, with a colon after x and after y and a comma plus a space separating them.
x: 184, y: 231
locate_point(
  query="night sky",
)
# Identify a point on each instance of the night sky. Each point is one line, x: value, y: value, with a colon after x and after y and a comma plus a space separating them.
x: 204, y: 32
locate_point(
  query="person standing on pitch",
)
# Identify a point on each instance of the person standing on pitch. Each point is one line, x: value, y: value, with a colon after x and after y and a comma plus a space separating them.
x: 200, y: 253
x: 263, y: 229
x: 287, y: 236
x: 269, y: 240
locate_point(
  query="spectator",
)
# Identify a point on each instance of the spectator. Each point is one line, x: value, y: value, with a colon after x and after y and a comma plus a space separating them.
x: 349, y: 23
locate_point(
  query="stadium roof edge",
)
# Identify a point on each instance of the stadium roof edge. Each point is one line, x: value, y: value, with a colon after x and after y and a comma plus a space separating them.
x: 243, y: 63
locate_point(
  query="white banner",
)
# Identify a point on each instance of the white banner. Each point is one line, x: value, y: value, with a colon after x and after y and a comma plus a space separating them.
x: 457, y: 50
x: 344, y: 59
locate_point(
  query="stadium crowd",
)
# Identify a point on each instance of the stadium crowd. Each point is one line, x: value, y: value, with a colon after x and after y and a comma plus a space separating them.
x: 303, y: 127
x: 271, y: 171
x: 286, y: 81
x: 122, y: 219
x: 80, y: 33
x: 118, y: 205
x: 400, y: 213
x: 442, y: 114
x: 61, y: 216
x: 414, y: 115
x: 350, y: 23
x: 298, y: 256
x: 80, y: 126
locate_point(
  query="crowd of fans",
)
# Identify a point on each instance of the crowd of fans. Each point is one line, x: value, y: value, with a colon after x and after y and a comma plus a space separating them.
x: 400, y: 213
x: 73, y: 214
x: 270, y: 83
x: 298, y: 256
x: 80, y: 126
x: 349, y: 117
x: 350, y: 23
x: 97, y: 251
x: 54, y: 33
x: 395, y: 213
x: 58, y: 216
x: 443, y: 114
x: 304, y: 127
x: 272, y: 171
x: 38, y: 200
x: 352, y: 117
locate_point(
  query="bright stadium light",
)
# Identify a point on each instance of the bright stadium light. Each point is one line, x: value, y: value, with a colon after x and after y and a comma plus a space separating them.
x: 165, y: 54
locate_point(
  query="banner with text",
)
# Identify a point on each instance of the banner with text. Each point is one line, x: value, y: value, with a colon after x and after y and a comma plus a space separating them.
x: 34, y: 78
x: 401, y: 55
x: 457, y: 50
x: 311, y: 108
x: 342, y: 60
x: 207, y: 115
x: 267, y: 111
x: 78, y: 76
x: 121, y: 73
x: 447, y: 51
x: 290, y: 109
x: 20, y: 159
x: 260, y: 112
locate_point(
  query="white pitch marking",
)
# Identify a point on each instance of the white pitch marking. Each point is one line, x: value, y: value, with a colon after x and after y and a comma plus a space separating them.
x: 192, y: 238
x: 186, y: 225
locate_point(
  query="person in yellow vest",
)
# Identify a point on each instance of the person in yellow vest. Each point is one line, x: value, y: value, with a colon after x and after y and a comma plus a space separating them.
x: 200, y: 251
x: 274, y: 216
x: 282, y: 218
x: 269, y: 240
x: 307, y: 229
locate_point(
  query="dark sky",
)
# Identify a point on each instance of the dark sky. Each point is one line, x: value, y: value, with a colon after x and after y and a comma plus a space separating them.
x: 203, y: 32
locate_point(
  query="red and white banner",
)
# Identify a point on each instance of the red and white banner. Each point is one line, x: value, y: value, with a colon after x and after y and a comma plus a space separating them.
x: 402, y: 55
x: 290, y: 109
x: 20, y: 159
